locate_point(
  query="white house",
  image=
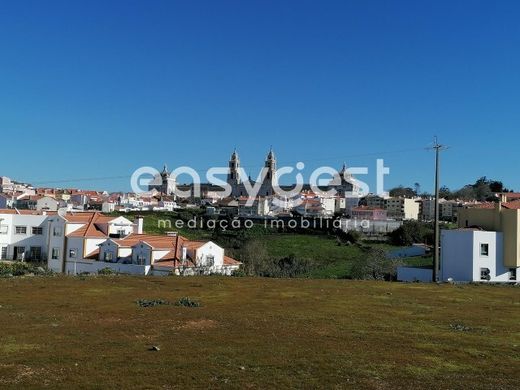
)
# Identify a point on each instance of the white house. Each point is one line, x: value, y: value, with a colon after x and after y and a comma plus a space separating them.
x: 48, y: 203
x: 467, y: 255
x: 108, y: 207
x: 167, y: 203
x: 89, y: 241
x: 23, y: 235
x: 74, y: 238
x: 162, y: 255
x: 474, y: 255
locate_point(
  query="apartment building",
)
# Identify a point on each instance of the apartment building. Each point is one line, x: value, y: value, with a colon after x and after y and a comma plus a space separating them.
x: 402, y: 208
x: 375, y: 201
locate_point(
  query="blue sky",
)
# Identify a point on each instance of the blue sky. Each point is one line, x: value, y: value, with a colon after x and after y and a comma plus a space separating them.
x: 97, y: 89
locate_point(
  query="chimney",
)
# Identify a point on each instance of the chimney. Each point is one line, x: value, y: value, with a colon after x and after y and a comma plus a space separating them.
x: 138, y: 224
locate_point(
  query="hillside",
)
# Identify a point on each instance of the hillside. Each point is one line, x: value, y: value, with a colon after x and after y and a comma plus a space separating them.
x: 74, y: 332
x: 329, y: 260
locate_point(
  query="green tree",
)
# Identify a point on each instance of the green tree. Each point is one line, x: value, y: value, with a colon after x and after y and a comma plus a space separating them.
x: 444, y: 192
x: 401, y: 191
x: 411, y: 232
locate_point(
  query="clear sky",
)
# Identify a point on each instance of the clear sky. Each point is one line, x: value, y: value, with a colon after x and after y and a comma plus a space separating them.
x: 96, y: 89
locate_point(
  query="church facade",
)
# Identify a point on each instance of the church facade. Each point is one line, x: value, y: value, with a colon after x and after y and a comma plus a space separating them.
x: 235, y: 179
x: 164, y: 182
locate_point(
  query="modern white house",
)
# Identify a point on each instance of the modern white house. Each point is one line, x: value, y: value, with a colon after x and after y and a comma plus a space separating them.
x: 467, y: 255
x: 474, y: 255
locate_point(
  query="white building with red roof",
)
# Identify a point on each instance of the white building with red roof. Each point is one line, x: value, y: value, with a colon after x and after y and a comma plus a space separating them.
x: 86, y: 242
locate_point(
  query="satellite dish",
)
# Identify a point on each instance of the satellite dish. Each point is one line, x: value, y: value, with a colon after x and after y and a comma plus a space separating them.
x: 62, y: 212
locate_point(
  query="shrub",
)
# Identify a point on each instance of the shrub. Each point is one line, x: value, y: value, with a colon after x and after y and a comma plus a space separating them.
x: 256, y: 262
x: 151, y: 302
x: 20, y: 269
x: 187, y: 302
x: 374, y: 265
x: 350, y: 237
x: 411, y: 232
x: 239, y: 272
x: 106, y: 271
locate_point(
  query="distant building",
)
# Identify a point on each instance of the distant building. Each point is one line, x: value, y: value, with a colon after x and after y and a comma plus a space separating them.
x: 376, y: 201
x: 344, y: 183
x: 163, y: 183
x: 369, y: 213
x: 237, y: 185
x: 48, y: 203
x: 402, y: 208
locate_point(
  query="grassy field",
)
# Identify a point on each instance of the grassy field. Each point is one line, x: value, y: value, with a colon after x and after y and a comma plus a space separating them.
x: 72, y: 332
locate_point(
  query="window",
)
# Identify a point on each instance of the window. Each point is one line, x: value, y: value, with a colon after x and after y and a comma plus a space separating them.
x: 73, y: 253
x: 512, y: 273
x: 210, y: 261
x: 109, y: 256
x: 141, y: 259
x: 35, y: 252
x: 37, y: 230
x: 4, y: 229
x: 56, y: 231
x: 19, y: 252
x: 484, y: 249
x: 21, y: 229
x: 3, y: 253
x: 55, y: 255
x: 484, y: 274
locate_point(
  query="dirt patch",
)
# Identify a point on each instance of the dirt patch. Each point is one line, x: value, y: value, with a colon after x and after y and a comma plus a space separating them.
x: 11, y: 374
x: 199, y: 324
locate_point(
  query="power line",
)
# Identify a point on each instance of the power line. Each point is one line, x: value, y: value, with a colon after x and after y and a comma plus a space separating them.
x: 202, y: 170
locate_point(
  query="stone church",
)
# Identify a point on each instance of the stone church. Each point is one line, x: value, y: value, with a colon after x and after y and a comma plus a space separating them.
x: 164, y: 183
x: 237, y: 185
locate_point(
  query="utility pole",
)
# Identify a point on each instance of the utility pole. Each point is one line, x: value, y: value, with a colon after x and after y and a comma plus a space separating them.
x: 435, y: 274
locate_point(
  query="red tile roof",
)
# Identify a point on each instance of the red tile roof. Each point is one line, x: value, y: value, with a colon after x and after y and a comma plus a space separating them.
x: 513, y: 205
x: 230, y: 261
x: 21, y: 212
x: 89, y: 229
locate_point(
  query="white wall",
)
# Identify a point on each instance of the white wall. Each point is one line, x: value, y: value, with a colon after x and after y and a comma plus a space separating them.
x: 94, y: 266
x: 457, y: 255
x: 495, y: 259
x: 11, y: 239
x: 461, y: 257
x: 209, y: 249
x: 56, y: 242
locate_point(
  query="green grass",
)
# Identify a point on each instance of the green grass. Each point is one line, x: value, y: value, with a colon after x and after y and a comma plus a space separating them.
x: 333, y: 261
x: 65, y: 332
